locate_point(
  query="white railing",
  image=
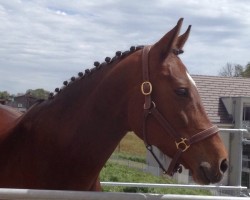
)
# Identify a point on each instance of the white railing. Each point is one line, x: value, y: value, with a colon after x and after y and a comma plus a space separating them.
x: 155, y: 185
x: 218, y: 190
x: 21, y: 194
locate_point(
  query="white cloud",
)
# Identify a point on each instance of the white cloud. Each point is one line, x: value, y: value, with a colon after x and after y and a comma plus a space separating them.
x: 44, y: 42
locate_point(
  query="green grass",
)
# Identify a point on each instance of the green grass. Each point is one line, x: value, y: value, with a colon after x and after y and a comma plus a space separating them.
x: 125, y: 156
x: 118, y: 173
x: 131, y: 145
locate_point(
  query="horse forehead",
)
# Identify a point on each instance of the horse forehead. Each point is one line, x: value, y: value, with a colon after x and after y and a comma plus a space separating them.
x: 191, y: 79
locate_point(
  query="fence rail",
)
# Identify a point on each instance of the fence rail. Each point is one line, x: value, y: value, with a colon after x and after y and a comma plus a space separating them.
x: 155, y: 185
x: 21, y: 194
x: 218, y: 190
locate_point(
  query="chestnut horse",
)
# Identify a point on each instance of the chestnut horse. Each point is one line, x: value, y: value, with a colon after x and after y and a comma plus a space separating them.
x: 8, y: 116
x: 63, y: 142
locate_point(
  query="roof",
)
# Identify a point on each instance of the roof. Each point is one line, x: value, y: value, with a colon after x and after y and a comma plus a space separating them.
x: 212, y: 88
x: 2, y: 101
x: 28, y: 96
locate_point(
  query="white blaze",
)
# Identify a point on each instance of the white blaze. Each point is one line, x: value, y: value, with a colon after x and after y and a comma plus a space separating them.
x: 191, y: 79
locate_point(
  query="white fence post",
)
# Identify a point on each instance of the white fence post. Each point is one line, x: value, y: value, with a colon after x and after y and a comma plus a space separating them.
x: 236, y: 154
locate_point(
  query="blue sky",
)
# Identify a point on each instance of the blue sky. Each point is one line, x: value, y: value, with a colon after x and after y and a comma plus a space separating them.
x: 46, y: 42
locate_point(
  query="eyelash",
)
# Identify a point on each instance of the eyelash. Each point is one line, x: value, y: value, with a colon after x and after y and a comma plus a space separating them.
x: 182, y: 92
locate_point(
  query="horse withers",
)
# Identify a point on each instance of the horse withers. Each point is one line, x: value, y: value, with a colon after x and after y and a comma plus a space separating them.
x: 63, y: 142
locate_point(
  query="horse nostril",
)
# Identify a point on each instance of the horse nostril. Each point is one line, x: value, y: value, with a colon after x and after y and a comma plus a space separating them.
x: 224, y: 165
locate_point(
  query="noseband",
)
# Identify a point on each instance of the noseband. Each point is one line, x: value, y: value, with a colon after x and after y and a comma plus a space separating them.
x: 182, y: 143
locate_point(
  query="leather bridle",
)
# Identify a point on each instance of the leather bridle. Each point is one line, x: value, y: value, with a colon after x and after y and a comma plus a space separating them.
x: 150, y: 109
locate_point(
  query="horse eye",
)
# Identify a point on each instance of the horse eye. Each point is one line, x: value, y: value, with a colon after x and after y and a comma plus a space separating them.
x: 182, y: 92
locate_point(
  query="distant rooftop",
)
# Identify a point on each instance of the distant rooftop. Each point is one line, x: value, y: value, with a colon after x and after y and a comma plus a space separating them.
x: 212, y: 88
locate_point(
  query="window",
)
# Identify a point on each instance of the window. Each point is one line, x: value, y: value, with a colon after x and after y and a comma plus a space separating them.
x: 19, y: 105
x: 246, y: 113
x: 245, y: 179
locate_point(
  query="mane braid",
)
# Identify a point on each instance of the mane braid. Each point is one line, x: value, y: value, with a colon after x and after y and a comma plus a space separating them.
x: 97, y: 66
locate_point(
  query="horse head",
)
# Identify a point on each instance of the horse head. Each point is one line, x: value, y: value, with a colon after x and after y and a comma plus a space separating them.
x: 169, y: 113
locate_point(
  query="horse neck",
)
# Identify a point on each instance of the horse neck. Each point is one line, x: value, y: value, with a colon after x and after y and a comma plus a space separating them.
x: 92, y: 113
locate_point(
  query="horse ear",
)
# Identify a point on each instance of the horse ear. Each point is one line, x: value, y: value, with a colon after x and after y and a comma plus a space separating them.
x: 183, y: 38
x: 168, y: 41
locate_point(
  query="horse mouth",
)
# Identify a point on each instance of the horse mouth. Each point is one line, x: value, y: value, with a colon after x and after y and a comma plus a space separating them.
x: 207, y: 175
x: 204, y: 178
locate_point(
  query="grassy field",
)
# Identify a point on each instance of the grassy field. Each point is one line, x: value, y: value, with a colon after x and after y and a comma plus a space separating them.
x: 131, y: 148
x: 131, y: 145
x: 118, y: 173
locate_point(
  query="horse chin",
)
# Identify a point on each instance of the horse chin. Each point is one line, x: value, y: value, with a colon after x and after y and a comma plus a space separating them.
x: 201, y: 178
x: 206, y: 175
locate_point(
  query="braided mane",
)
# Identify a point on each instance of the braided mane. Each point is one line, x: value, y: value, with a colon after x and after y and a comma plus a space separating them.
x: 97, y: 65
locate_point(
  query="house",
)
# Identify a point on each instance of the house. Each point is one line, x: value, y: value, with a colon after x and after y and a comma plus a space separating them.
x: 22, y: 102
x: 227, y: 103
x: 226, y: 99
x: 3, y: 101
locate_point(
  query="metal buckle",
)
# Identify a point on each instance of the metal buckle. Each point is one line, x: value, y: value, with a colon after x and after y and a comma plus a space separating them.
x: 143, y: 88
x: 182, y: 144
x: 152, y: 106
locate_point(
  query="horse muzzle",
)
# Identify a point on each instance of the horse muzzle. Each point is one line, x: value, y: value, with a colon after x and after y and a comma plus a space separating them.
x: 208, y: 174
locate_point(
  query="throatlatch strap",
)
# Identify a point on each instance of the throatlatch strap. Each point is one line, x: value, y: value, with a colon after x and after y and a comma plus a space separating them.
x: 173, y: 164
x: 164, y: 123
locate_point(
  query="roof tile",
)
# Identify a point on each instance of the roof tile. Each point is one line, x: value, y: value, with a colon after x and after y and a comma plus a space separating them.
x: 212, y: 88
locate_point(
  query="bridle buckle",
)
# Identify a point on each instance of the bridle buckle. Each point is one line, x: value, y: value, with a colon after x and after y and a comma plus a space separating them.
x: 182, y: 145
x: 148, y: 85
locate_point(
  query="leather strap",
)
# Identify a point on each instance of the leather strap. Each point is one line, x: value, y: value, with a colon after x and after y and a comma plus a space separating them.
x: 172, y: 168
x: 203, y: 134
x: 182, y: 144
x: 146, y: 86
x: 164, y: 123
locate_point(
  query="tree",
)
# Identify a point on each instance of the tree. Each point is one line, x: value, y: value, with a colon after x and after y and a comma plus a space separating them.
x: 231, y: 70
x: 4, y: 95
x: 38, y: 93
x: 238, y: 70
x: 246, y: 72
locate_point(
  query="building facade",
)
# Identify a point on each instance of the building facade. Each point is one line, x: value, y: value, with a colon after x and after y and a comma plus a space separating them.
x: 22, y: 102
